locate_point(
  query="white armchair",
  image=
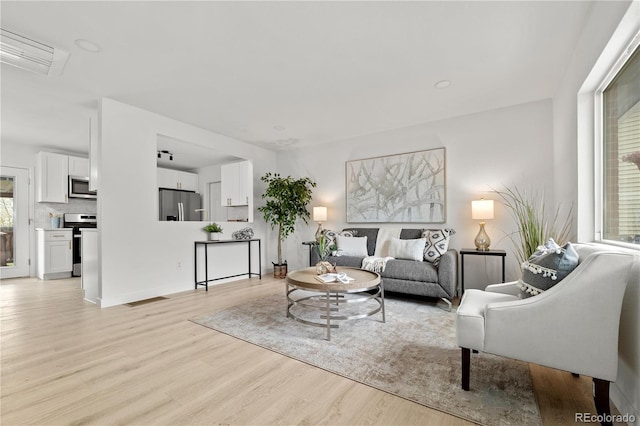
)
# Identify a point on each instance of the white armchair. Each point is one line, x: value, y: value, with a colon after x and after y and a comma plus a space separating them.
x: 573, y: 326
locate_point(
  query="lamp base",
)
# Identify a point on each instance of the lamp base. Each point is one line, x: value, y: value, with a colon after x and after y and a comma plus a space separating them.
x: 482, y: 240
x: 319, y: 232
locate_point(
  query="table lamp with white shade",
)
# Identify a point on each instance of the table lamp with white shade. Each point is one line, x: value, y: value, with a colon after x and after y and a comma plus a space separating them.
x: 481, y: 210
x: 319, y: 215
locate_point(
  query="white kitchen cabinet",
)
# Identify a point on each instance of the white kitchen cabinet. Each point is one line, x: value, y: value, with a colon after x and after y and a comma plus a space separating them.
x: 176, y: 179
x: 236, y: 184
x: 55, y: 253
x: 52, y: 175
x: 188, y: 181
x: 89, y: 258
x: 78, y: 166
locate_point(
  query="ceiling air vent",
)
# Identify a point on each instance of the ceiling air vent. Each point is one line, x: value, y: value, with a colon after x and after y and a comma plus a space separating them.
x: 31, y: 55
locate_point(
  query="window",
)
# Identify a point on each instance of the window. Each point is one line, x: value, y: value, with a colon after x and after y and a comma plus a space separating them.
x: 621, y: 154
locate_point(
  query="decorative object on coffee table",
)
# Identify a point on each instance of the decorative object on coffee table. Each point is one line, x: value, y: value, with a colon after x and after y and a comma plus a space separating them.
x: 287, y: 200
x: 481, y: 210
x: 323, y: 248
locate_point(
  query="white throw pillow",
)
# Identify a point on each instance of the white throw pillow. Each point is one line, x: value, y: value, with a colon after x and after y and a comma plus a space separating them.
x: 407, y: 249
x: 351, y: 246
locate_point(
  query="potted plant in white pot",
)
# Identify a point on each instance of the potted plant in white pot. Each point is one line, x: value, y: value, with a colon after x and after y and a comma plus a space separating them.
x: 214, y: 231
x: 287, y: 200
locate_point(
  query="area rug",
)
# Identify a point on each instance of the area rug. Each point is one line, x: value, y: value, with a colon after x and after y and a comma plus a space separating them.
x: 413, y: 355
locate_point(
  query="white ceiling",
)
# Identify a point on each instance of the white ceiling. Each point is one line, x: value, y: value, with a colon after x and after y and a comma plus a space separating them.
x: 280, y: 74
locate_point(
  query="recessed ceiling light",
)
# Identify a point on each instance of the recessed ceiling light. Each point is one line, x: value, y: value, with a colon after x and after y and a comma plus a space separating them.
x: 87, y: 45
x: 442, y: 84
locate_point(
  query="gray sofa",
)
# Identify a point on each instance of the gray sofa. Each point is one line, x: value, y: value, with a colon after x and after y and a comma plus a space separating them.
x: 406, y: 276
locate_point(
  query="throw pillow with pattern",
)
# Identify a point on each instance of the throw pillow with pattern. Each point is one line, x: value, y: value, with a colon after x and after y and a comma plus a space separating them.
x: 543, y: 272
x: 331, y: 237
x: 437, y: 243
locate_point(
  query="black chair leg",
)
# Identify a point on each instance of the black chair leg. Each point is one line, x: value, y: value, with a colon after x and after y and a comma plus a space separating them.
x: 466, y: 367
x: 601, y: 399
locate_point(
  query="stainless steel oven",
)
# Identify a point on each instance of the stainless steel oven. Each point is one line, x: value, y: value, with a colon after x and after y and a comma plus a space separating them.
x: 79, y: 187
x: 78, y: 221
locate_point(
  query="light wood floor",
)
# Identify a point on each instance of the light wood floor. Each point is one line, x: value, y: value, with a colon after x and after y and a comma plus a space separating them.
x: 66, y: 362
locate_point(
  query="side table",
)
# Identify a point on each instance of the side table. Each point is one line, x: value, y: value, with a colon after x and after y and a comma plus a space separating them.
x: 311, y: 245
x: 463, y: 252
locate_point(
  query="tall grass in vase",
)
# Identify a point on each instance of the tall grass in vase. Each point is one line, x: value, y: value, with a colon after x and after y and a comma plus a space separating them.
x: 535, y: 223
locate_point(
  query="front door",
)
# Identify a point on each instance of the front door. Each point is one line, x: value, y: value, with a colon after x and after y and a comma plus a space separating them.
x: 14, y: 222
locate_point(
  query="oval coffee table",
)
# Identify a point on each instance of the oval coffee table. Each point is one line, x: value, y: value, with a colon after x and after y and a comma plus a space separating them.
x: 329, y: 298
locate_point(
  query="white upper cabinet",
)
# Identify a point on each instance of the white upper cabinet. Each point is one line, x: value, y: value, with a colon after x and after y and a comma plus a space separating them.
x: 52, y: 177
x: 78, y: 166
x: 236, y: 184
x: 175, y: 179
x: 188, y: 181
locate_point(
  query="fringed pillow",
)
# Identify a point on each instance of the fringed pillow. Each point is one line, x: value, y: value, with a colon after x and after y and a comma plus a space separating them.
x: 545, y: 270
x: 437, y: 243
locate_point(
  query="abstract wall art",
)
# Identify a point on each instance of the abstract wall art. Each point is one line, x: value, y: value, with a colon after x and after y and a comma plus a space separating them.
x: 408, y: 187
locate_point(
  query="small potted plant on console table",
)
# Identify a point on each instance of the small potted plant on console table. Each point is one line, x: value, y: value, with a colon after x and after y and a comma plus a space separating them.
x: 214, y: 230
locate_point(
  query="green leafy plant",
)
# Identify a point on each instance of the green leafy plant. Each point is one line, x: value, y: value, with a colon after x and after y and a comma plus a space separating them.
x: 212, y: 227
x: 535, y: 224
x: 287, y: 200
x: 323, y: 247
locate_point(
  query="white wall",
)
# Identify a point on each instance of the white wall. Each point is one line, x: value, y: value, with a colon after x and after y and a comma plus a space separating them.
x: 607, y: 31
x: 140, y: 255
x: 484, y: 151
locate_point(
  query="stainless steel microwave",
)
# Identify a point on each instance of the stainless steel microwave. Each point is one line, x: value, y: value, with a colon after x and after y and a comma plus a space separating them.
x: 79, y: 188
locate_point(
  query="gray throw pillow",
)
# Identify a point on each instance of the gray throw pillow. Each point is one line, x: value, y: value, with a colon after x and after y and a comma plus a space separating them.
x: 543, y: 272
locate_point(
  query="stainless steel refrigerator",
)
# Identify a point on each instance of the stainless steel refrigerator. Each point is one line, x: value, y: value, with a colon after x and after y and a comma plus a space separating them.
x: 179, y: 205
